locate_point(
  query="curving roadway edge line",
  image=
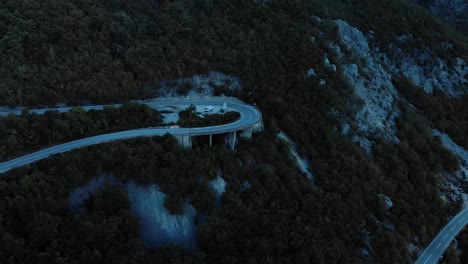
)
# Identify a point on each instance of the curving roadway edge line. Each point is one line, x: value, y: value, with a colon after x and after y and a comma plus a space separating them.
x: 441, y: 242
x: 249, y: 116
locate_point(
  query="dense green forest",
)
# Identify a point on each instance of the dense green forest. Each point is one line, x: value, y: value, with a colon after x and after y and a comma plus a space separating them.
x: 28, y: 132
x: 113, y: 51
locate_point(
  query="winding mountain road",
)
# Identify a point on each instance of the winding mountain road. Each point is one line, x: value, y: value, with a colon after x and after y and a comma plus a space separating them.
x: 437, y: 247
x: 249, y: 116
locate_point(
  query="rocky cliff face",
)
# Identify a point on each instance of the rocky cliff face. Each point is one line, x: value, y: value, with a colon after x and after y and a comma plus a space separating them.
x: 371, y: 81
x: 369, y: 67
x: 369, y: 70
x: 426, y: 70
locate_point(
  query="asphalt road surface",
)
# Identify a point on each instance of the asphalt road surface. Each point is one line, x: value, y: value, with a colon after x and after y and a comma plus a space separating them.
x: 437, y: 247
x: 249, y: 115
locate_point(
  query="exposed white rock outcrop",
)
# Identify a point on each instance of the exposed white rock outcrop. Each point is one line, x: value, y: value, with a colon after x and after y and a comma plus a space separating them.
x: 311, y: 73
x: 329, y: 66
x: 218, y: 186
x: 388, y: 202
x: 426, y: 70
x: 158, y: 227
x: 303, y: 164
x: 369, y: 71
x: 372, y: 83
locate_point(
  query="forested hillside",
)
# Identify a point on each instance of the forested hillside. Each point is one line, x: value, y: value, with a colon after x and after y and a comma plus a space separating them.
x: 107, y: 51
x: 97, y: 51
x: 30, y: 132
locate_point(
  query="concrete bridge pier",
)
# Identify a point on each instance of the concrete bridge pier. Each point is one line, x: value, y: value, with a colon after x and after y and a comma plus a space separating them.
x: 247, y: 133
x: 257, y: 127
x: 185, y: 141
x: 232, y: 137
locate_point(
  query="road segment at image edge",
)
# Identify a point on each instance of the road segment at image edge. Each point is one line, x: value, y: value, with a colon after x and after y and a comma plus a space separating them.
x: 434, y: 251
